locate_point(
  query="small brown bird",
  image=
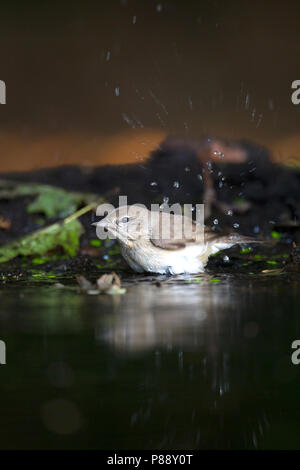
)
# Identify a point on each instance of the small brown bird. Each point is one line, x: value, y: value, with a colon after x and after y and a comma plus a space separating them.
x: 145, y: 246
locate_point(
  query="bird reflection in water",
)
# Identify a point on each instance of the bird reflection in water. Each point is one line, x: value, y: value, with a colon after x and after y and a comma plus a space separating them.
x: 195, y: 335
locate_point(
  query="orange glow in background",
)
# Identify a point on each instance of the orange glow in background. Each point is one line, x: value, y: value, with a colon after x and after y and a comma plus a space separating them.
x: 132, y: 146
x: 22, y: 153
x: 192, y: 69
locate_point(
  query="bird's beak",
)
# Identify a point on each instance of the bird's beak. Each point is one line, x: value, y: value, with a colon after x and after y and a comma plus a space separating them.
x: 106, y: 225
x: 113, y: 230
x: 102, y: 223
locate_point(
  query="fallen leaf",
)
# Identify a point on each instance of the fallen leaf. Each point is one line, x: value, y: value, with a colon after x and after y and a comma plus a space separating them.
x: 110, y: 284
x: 273, y: 272
x: 84, y: 284
x: 5, y: 224
x: 107, y: 280
x: 58, y: 285
x: 106, y: 284
x: 90, y: 251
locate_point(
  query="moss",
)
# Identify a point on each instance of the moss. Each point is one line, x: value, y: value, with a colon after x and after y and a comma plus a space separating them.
x: 239, y: 200
x: 281, y: 255
x: 246, y: 250
x: 259, y: 257
x: 276, y: 235
x: 43, y: 275
x: 40, y: 260
x: 95, y: 242
x: 115, y: 250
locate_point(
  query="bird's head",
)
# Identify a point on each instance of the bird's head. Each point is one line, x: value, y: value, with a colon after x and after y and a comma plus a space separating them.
x: 127, y: 224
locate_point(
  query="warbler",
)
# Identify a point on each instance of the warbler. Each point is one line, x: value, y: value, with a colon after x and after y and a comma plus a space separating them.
x: 144, y: 245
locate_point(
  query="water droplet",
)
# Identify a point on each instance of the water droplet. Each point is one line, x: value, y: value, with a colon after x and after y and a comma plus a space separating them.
x: 236, y: 225
x: 226, y: 259
x: 247, y: 101
x: 107, y: 56
x: 134, y: 20
x: 187, y: 169
x: 153, y: 183
x: 176, y: 184
x: 229, y: 212
x: 159, y: 7
x: 200, y: 177
x: 216, y: 221
x: 117, y: 91
x: 165, y: 203
x: 219, y: 154
x: 128, y: 120
x: 256, y: 229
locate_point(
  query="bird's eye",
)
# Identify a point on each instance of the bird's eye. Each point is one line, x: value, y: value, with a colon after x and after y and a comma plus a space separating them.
x: 124, y: 220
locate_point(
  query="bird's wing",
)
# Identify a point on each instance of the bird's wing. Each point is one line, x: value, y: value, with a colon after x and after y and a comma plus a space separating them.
x: 180, y: 235
x: 174, y: 232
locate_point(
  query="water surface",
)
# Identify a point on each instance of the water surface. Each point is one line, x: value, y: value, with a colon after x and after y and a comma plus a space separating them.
x: 184, y: 365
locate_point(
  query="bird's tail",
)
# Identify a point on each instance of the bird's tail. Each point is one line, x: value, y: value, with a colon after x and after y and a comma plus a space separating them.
x: 227, y: 241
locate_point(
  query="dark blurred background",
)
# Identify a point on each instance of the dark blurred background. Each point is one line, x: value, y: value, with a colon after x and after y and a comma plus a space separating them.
x: 103, y: 82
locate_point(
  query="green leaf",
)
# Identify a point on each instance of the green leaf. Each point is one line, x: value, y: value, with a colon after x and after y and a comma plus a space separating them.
x: 40, y: 242
x: 54, y: 203
x: 65, y: 233
x: 50, y: 200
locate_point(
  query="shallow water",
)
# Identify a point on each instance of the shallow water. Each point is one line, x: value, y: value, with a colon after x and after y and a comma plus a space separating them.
x: 183, y: 365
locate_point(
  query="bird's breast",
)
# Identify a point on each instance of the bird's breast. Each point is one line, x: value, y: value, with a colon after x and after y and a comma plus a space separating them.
x: 157, y: 260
